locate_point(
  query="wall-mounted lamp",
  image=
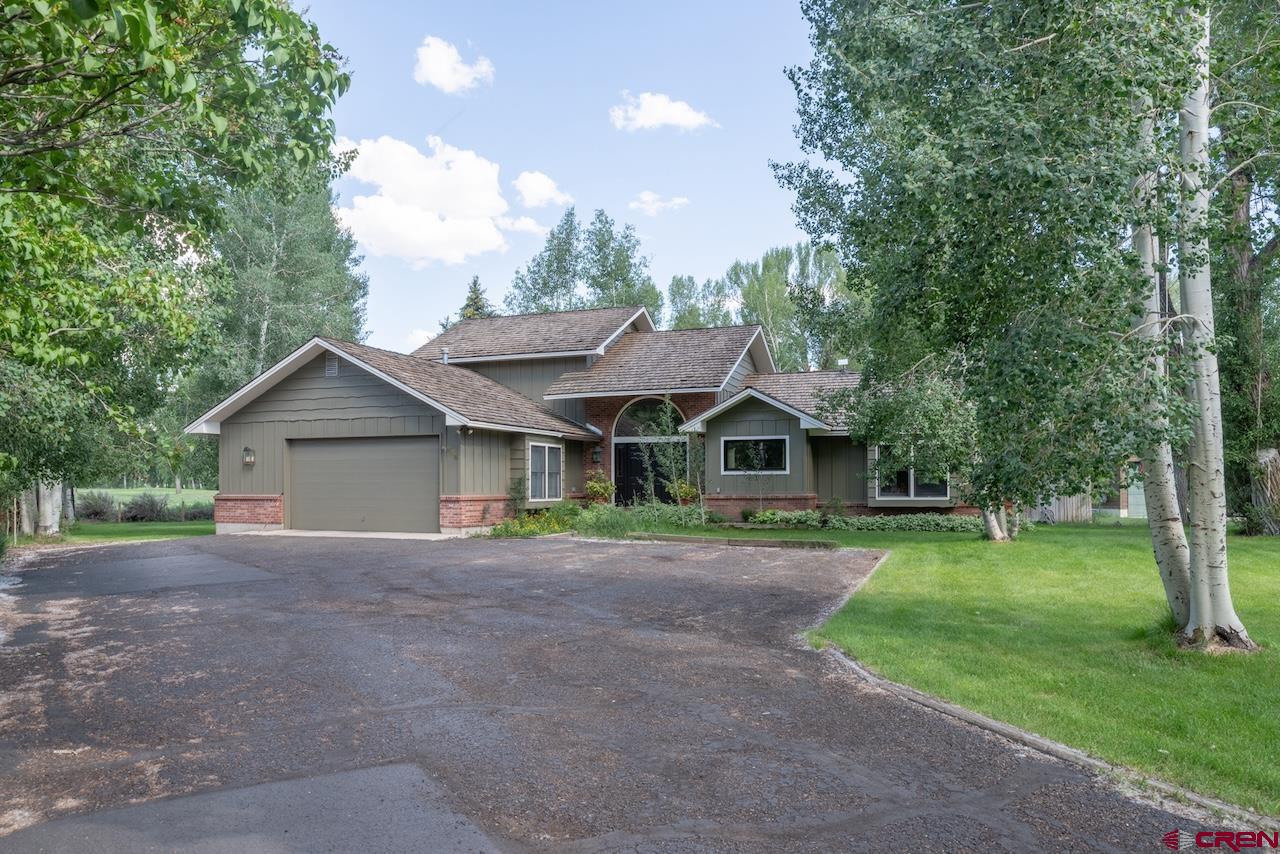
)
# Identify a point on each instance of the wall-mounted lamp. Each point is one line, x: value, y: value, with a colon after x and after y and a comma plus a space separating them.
x: 247, y: 456
x: 595, y: 454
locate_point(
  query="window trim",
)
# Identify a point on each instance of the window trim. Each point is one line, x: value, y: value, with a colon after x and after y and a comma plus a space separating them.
x: 528, y: 470
x: 911, y: 487
x: 785, y: 470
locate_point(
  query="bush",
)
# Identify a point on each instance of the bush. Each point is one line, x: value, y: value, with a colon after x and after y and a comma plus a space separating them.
x: 538, y: 523
x: 599, y: 487
x: 146, y: 507
x: 95, y: 507
x: 656, y: 514
x: 605, y: 520
x: 4, y: 543
x: 198, y: 512
x: 919, y: 522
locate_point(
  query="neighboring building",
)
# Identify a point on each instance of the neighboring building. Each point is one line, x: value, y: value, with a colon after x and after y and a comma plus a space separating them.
x: 343, y: 436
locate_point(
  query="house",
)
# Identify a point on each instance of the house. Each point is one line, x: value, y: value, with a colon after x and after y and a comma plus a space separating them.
x: 343, y: 436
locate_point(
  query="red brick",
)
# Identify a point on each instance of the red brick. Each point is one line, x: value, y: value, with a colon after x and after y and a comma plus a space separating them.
x: 248, y: 509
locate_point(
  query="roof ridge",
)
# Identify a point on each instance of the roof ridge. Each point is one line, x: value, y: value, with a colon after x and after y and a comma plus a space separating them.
x: 546, y: 313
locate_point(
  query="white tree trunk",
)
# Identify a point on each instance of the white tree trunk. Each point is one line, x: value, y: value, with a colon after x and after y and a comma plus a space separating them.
x: 1212, y: 617
x: 1164, y: 513
x: 993, y: 524
x: 1265, y: 483
x: 48, y: 509
x: 68, y: 504
x: 27, y: 512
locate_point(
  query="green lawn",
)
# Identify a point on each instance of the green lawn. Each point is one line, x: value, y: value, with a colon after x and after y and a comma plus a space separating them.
x: 106, y: 532
x: 1061, y: 633
x: 188, y: 496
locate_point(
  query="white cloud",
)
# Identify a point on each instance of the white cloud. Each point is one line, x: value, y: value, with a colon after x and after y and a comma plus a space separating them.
x: 651, y: 204
x: 416, y: 338
x: 443, y: 205
x: 525, y: 224
x: 538, y: 190
x: 654, y: 110
x: 440, y: 65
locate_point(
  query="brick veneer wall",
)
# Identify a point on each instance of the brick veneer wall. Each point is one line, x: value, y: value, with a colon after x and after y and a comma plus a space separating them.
x: 473, y: 511
x: 603, y: 411
x: 248, y: 509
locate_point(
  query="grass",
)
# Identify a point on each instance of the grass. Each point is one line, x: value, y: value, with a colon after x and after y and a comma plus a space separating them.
x: 85, y: 533
x: 188, y: 496
x: 1065, y: 633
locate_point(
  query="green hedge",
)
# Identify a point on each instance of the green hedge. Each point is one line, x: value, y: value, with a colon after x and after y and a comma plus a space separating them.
x: 921, y: 522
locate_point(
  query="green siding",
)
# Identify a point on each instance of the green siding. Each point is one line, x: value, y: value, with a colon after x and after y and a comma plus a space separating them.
x: 309, y: 405
x: 531, y: 377
x: 840, y: 469
x: 737, y: 378
x: 756, y: 418
x: 485, y: 463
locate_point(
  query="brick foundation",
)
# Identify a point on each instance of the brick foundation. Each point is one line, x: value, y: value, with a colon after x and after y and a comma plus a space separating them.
x: 473, y: 511
x: 232, y: 513
x: 731, y: 506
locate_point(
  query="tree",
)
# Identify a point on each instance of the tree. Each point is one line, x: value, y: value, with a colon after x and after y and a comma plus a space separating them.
x: 695, y: 306
x: 831, y: 315
x: 550, y: 281
x: 965, y: 137
x: 601, y: 266
x: 476, y: 304
x: 762, y: 290
x: 614, y: 272
x: 120, y: 128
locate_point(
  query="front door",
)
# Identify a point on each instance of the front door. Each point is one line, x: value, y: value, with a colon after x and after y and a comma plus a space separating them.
x: 633, y: 464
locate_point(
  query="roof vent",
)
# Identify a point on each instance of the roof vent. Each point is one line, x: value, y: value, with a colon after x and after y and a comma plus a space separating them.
x: 331, y: 365
x: 444, y: 355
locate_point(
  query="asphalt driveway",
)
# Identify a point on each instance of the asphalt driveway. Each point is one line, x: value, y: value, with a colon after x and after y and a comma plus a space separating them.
x: 299, y: 694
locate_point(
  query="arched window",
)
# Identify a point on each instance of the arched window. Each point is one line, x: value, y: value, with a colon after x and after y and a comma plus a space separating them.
x: 648, y: 417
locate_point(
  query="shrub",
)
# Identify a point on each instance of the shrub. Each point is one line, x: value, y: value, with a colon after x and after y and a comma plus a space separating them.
x: 790, y: 518
x: 656, y: 514
x: 4, y: 543
x: 537, y: 523
x: 200, y: 511
x: 599, y: 487
x: 605, y: 520
x: 920, y: 522
x: 96, y: 507
x: 684, y: 490
x: 748, y: 514
x: 146, y: 507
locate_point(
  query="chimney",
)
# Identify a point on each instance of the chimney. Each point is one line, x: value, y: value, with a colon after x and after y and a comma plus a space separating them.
x: 444, y: 355
x: 842, y: 364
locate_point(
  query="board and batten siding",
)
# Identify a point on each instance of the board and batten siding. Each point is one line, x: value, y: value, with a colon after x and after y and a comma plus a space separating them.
x: 309, y: 405
x: 738, y: 378
x: 484, y: 464
x: 840, y: 469
x: 531, y: 377
x: 756, y: 418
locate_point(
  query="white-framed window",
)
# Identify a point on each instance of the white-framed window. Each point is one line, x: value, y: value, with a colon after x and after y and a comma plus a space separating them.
x: 903, y: 484
x: 546, y: 472
x: 755, y: 454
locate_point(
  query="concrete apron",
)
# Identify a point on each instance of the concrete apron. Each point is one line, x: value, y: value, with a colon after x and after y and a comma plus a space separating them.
x: 367, y: 535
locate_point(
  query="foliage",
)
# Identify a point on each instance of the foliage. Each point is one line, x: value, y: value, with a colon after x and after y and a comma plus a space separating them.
x: 605, y: 520
x: 598, y: 486
x: 95, y: 507
x: 518, y: 494
x: 121, y: 126
x: 476, y: 305
x: 695, y: 306
x: 919, y: 522
x: 146, y: 507
x: 556, y: 519
x: 764, y: 298
x: 591, y: 268
x: 683, y: 490
x: 957, y: 213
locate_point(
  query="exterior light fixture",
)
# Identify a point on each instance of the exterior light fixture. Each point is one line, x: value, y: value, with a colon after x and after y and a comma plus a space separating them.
x: 595, y: 454
x: 247, y: 457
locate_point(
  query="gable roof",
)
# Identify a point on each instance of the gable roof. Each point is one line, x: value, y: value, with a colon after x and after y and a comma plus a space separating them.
x: 798, y: 394
x: 678, y: 360
x: 465, y: 397
x: 532, y: 336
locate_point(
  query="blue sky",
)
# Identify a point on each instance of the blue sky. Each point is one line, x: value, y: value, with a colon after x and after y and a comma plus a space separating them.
x: 451, y: 103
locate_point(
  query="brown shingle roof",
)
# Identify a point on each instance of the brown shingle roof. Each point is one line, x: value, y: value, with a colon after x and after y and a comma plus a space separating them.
x: 471, y: 395
x: 804, y: 390
x: 510, y: 335
x: 675, y: 360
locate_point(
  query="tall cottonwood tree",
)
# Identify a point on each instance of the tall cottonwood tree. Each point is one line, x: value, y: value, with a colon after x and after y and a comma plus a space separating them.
x: 966, y: 135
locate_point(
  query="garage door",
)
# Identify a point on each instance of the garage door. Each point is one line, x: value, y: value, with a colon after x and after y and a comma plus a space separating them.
x: 382, y: 484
